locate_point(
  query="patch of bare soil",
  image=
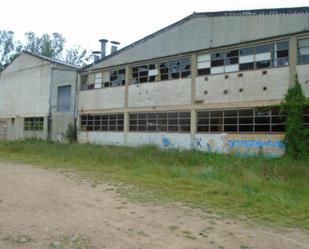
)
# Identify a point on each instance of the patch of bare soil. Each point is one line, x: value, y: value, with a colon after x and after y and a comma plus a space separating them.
x: 45, y: 209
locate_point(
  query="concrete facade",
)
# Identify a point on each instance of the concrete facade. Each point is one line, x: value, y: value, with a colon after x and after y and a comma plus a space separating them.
x: 28, y: 89
x: 234, y: 90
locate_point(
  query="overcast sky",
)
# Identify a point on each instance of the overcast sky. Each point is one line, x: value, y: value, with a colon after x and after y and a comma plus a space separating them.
x: 85, y: 22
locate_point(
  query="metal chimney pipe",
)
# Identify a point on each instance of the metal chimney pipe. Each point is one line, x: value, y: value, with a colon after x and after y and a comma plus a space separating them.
x: 114, y: 46
x: 103, y: 47
x: 96, y: 55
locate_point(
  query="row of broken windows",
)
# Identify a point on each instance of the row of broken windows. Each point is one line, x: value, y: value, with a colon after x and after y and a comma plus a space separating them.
x: 262, y: 56
x: 210, y: 121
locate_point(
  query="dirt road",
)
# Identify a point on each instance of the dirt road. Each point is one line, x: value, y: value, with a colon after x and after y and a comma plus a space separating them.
x: 45, y: 209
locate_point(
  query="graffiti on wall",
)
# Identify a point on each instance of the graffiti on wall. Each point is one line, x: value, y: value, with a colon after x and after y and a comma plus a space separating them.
x: 166, y: 143
x: 269, y: 145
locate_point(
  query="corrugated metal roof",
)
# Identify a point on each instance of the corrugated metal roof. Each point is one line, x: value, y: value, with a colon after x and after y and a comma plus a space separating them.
x: 210, y: 28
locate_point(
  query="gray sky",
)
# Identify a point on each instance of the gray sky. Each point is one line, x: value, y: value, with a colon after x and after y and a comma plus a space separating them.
x: 85, y: 22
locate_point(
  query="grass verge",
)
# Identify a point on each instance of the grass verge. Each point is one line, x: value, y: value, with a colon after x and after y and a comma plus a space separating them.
x: 274, y: 190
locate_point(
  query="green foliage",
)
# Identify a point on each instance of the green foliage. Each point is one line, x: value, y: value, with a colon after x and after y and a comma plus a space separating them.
x: 49, y: 45
x: 8, y: 48
x: 272, y: 190
x: 296, y: 136
x: 71, y: 133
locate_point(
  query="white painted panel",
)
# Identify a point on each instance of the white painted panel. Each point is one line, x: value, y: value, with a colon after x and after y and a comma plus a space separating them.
x: 204, y: 57
x: 246, y: 58
x: 303, y: 43
x: 263, y: 56
x: 215, y: 70
x: 153, y: 72
x: 97, y: 85
x: 232, y: 68
x: 205, y: 64
x: 106, y: 76
x: 304, y: 51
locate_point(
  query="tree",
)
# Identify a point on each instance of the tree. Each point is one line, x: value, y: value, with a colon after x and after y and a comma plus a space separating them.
x: 47, y: 45
x: 7, y: 47
x: 296, y: 135
x: 77, y: 56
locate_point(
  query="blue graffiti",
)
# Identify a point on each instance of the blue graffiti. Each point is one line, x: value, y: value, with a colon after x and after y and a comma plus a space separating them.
x: 166, y: 142
x: 198, y: 143
x: 256, y: 143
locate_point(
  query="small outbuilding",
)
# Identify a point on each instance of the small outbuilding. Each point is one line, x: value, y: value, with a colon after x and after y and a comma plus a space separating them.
x: 37, y: 98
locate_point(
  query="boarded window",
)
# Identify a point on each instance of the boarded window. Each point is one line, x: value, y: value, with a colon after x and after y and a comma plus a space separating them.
x: 262, y: 56
x: 64, y: 99
x: 303, y: 51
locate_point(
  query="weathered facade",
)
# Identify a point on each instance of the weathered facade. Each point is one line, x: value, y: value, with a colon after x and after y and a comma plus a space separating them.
x: 37, y: 98
x: 211, y: 81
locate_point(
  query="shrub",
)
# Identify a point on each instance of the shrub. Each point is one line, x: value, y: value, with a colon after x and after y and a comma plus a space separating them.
x: 296, y: 134
x: 71, y: 133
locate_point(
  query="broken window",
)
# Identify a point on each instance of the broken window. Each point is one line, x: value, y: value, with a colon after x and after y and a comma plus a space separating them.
x: 103, y: 79
x: 144, y: 73
x: 108, y: 122
x: 160, y: 122
x: 64, y: 99
x: 168, y: 70
x: 117, y: 77
x: 261, y: 56
x: 34, y: 124
x: 175, y: 69
x: 303, y: 51
x: 98, y: 80
x: 241, y: 120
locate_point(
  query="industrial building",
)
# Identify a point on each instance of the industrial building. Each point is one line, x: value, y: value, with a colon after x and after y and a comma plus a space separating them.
x: 211, y: 81
x: 37, y: 98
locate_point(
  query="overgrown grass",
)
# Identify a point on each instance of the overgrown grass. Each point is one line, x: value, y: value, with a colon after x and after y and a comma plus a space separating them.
x: 274, y: 190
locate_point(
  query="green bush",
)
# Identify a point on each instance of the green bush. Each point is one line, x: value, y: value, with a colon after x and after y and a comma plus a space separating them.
x: 296, y: 136
x: 71, y: 133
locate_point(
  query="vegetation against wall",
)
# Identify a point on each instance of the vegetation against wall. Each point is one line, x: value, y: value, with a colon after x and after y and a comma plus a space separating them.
x: 296, y: 136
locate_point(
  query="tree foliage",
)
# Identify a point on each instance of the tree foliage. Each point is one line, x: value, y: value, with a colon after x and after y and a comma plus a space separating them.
x: 296, y: 136
x: 8, y: 47
x: 49, y: 45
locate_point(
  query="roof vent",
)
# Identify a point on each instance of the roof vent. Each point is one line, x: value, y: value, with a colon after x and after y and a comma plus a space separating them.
x: 96, y: 55
x: 114, y: 47
x: 103, y: 47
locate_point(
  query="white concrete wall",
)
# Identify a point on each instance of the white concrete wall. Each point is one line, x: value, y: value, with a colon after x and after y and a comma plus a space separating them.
x: 169, y: 93
x: 24, y: 87
x: 303, y: 77
x: 95, y: 137
x: 100, y: 99
x: 162, y: 139
x: 61, y: 120
x: 15, y: 130
x: 276, y: 80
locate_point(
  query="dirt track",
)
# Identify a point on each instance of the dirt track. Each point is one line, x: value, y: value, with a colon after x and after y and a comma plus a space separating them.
x: 45, y: 209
